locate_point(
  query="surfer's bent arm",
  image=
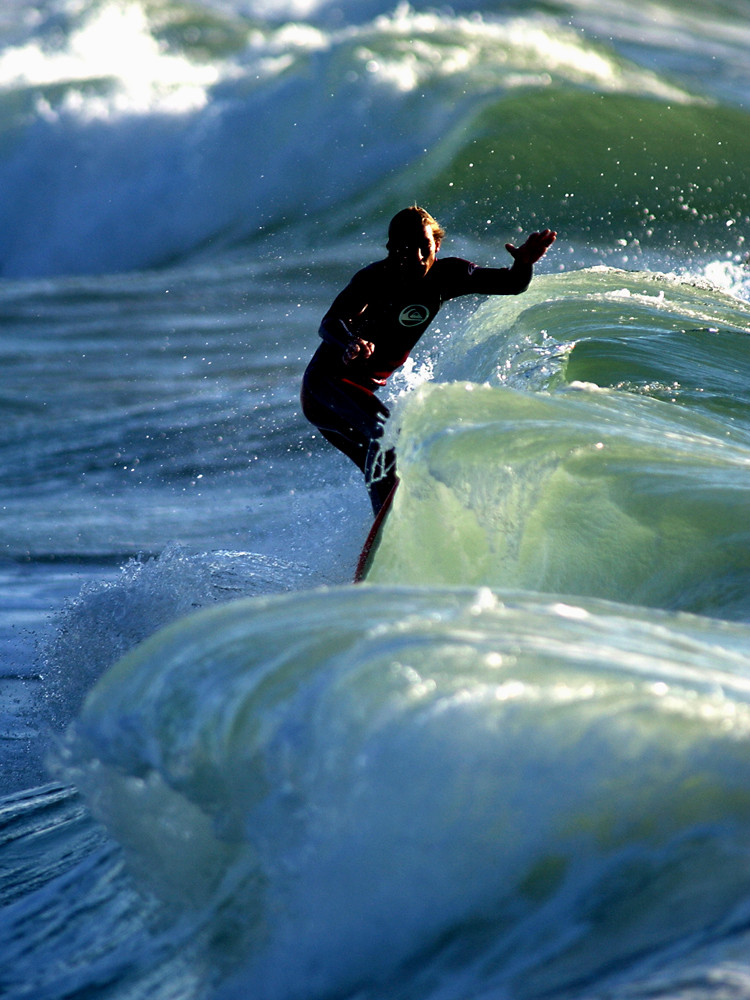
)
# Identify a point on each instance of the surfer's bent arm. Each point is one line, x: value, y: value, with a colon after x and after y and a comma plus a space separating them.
x: 333, y: 330
x: 335, y: 327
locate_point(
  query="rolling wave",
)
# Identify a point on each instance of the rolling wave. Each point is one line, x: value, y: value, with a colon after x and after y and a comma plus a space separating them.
x: 134, y: 136
x: 374, y: 786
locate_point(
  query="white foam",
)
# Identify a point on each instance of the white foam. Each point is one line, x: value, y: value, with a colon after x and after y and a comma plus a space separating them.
x: 116, y: 43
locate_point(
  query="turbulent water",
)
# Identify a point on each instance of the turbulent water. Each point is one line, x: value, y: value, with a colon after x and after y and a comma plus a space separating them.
x: 514, y: 762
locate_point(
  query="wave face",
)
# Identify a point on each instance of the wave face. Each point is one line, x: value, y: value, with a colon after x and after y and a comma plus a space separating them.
x: 137, y: 134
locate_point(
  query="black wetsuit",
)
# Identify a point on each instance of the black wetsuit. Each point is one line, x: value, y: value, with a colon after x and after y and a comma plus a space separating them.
x: 392, y: 313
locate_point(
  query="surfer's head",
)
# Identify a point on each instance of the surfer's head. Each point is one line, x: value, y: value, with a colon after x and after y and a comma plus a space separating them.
x: 414, y: 238
x: 414, y: 216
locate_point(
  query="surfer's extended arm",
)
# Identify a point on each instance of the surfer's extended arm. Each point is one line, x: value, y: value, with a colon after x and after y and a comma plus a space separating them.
x: 516, y: 279
x: 501, y: 280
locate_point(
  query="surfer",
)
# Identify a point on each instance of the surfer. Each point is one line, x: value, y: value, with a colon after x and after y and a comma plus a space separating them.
x: 375, y: 322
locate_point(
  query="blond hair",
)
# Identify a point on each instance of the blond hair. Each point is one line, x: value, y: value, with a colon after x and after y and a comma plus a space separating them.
x: 408, y: 216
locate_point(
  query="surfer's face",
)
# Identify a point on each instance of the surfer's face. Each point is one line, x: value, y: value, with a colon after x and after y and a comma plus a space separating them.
x: 413, y: 250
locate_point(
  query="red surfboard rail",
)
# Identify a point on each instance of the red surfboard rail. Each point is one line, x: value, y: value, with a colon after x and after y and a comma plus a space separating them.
x: 373, y: 538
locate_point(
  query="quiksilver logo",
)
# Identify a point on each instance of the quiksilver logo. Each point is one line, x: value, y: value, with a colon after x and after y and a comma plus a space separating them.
x: 414, y: 315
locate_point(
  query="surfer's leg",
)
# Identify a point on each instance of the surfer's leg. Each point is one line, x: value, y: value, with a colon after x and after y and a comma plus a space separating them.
x: 352, y: 418
x: 380, y: 473
x: 378, y: 466
x: 355, y: 450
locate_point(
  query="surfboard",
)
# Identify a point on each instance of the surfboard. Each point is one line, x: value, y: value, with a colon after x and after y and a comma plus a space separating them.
x: 373, y: 539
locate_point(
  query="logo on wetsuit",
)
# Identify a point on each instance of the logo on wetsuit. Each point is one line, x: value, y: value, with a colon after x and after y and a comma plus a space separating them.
x: 414, y: 315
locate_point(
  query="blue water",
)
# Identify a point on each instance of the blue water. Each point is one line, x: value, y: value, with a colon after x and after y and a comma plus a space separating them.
x: 515, y: 761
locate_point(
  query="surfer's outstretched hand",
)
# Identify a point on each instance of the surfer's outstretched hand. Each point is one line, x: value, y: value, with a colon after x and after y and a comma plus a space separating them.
x: 535, y: 247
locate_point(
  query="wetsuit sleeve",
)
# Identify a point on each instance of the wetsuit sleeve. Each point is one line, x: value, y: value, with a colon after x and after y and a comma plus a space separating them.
x: 500, y: 280
x: 334, y: 330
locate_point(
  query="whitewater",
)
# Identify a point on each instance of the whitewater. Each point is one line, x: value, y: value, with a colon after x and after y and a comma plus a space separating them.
x: 514, y: 762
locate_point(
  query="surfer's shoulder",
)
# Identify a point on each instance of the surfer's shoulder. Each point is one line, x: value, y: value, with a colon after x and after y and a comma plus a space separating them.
x: 374, y: 271
x: 450, y: 273
x: 361, y: 283
x: 368, y: 279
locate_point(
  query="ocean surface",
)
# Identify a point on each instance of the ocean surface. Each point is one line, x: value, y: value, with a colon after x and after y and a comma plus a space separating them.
x: 514, y: 762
